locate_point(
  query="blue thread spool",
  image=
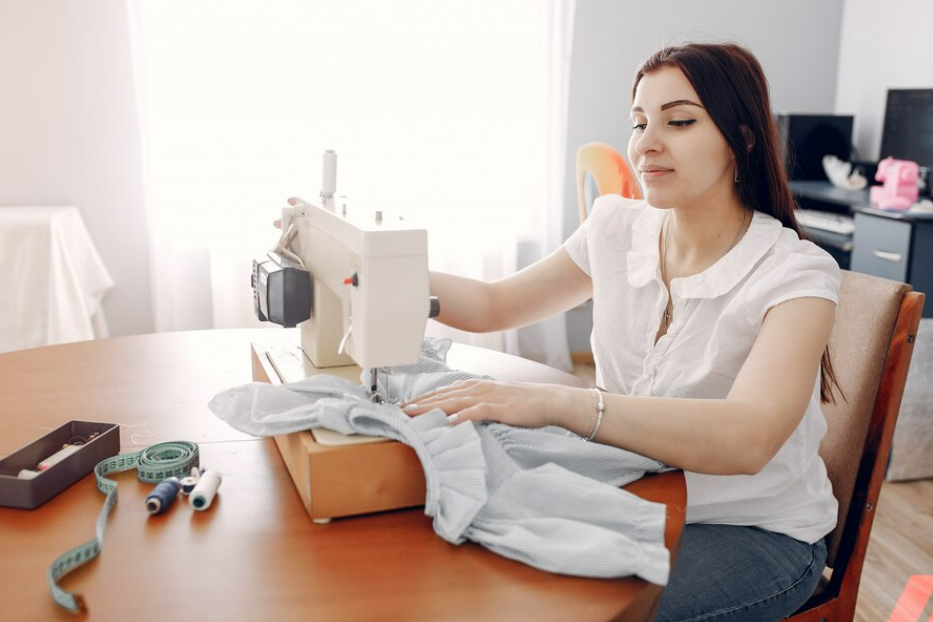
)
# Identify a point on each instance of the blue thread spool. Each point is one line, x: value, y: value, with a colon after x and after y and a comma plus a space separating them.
x: 163, y: 496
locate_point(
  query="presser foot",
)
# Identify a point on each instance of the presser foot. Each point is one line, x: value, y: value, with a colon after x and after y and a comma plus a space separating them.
x: 374, y: 394
x: 374, y: 387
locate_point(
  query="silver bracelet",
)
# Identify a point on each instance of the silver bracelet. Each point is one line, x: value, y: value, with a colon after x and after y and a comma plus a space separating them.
x: 598, y: 416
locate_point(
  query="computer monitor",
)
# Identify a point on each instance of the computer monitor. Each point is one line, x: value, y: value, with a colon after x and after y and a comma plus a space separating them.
x: 908, y: 126
x: 806, y: 138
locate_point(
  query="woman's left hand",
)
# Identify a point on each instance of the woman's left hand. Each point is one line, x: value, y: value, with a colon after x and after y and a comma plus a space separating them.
x: 525, y: 405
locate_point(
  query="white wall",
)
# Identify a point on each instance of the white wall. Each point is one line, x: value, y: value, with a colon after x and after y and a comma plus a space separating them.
x: 881, y: 48
x: 796, y: 41
x: 69, y: 134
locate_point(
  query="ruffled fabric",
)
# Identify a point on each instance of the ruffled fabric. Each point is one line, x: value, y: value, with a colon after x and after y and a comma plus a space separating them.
x: 531, y: 448
x: 451, y: 457
x: 555, y: 520
x: 540, y: 496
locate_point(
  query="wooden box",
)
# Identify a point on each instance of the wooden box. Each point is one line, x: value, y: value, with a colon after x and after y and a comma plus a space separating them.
x: 338, y: 475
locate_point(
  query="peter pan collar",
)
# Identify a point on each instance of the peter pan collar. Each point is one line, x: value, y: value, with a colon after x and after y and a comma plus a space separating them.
x: 644, y: 258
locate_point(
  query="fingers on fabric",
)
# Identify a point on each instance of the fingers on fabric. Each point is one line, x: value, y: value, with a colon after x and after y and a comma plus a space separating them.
x: 460, y: 388
x: 449, y: 404
x: 477, y: 412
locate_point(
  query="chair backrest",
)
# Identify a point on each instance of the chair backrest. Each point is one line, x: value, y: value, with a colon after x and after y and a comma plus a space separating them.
x: 603, y: 165
x: 871, y: 344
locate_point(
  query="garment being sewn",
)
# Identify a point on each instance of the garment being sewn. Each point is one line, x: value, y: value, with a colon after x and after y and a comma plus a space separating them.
x: 540, y: 496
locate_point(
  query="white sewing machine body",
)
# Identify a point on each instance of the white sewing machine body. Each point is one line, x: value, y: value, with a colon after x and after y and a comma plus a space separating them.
x: 370, y: 302
x: 371, y: 290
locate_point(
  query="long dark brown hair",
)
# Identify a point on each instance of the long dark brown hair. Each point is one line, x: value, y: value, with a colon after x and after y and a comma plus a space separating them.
x: 733, y: 88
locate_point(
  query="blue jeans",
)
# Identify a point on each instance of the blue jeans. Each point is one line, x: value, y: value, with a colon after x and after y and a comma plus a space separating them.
x: 726, y: 573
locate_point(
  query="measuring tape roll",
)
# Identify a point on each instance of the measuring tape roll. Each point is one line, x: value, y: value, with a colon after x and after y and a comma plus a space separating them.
x: 153, y: 464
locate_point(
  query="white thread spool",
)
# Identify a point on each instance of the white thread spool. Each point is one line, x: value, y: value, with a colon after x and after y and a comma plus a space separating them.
x: 329, y: 180
x: 58, y: 456
x: 206, y: 489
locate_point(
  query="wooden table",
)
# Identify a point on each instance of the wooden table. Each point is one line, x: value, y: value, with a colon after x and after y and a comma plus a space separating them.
x: 254, y: 555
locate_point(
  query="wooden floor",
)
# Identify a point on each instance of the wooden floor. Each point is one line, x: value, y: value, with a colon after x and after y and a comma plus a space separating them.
x: 901, y: 545
x: 901, y: 542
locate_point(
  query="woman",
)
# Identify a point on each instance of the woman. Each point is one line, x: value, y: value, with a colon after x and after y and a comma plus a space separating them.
x: 711, y: 322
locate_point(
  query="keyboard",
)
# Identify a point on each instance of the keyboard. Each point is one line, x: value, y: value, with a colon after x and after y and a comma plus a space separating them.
x: 827, y: 221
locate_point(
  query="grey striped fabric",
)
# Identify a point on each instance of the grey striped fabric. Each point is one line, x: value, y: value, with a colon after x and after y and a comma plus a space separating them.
x: 539, y: 496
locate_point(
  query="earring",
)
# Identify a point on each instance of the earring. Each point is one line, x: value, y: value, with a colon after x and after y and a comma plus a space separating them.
x: 736, y: 174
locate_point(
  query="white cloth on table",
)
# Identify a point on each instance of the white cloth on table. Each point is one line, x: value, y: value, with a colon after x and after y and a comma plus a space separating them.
x: 53, y: 279
x: 539, y: 496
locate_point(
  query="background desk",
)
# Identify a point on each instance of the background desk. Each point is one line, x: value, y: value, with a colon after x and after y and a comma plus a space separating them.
x: 52, y: 279
x: 892, y: 245
x: 897, y: 246
x: 255, y: 555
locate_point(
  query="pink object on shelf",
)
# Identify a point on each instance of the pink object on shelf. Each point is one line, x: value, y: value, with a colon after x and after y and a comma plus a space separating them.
x: 900, y: 190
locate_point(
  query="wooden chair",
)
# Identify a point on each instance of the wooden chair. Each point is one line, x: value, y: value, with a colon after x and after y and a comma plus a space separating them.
x: 600, y: 163
x: 871, y: 345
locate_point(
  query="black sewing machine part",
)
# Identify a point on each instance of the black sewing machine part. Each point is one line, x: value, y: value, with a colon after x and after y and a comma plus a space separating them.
x: 282, y: 291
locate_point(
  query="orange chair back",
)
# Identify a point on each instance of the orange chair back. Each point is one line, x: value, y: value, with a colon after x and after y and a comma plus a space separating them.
x: 610, y: 172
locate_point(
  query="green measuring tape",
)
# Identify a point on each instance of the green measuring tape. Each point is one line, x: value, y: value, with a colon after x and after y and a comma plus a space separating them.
x: 152, y: 464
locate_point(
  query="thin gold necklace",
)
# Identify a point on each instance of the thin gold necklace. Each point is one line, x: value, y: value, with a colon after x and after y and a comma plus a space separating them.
x: 669, y: 308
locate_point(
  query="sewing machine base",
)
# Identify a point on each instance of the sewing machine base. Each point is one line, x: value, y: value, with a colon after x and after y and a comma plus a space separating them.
x: 338, y: 475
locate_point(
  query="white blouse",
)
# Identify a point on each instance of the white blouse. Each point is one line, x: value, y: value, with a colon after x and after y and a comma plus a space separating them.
x: 717, y: 317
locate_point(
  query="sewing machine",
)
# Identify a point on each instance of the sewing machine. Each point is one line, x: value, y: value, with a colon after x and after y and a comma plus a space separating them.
x: 370, y: 293
x: 366, y: 307
x: 369, y: 299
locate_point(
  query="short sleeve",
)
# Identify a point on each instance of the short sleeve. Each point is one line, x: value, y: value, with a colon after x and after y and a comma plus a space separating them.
x: 577, y: 246
x: 801, y: 271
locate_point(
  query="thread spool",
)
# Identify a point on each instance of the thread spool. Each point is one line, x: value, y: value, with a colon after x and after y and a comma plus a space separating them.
x: 329, y: 183
x: 163, y: 496
x: 203, y: 494
x: 188, y: 484
x: 58, y: 456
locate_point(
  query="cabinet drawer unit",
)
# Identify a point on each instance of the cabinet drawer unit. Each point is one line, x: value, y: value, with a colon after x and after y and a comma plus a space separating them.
x: 881, y: 247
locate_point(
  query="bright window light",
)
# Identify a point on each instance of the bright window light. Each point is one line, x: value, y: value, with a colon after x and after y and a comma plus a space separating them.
x: 437, y: 110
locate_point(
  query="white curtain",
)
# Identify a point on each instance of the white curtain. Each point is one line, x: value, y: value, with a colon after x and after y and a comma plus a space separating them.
x: 450, y: 112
